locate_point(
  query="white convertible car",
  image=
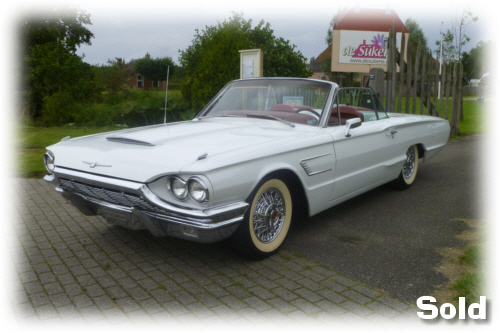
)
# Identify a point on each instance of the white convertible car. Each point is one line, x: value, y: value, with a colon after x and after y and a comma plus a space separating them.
x: 261, y: 152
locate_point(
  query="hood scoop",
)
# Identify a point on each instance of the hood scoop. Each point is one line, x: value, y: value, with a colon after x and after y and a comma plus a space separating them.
x: 129, y: 141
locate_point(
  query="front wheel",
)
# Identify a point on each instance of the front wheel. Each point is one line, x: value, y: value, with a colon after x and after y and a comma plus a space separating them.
x: 409, y: 171
x: 266, y: 222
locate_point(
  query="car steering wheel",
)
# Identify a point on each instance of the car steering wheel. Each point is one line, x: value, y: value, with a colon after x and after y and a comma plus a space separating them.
x: 308, y: 110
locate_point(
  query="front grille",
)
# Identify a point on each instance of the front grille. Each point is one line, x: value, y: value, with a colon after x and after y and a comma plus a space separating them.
x: 108, y: 196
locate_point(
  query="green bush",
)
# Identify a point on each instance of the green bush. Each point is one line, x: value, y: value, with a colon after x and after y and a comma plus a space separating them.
x: 132, y: 108
x: 148, y: 107
x: 59, y: 109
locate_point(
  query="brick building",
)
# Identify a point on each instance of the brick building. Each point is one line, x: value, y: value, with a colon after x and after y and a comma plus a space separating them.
x: 138, y: 81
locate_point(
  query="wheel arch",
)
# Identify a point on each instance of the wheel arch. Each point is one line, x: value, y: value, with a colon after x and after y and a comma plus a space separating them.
x: 297, y: 190
x: 421, y: 150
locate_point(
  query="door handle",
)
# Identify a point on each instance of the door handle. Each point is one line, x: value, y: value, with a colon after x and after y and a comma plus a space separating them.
x: 391, y: 132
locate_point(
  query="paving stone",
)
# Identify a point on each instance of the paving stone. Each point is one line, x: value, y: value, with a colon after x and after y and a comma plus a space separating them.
x: 355, y: 296
x: 208, y: 299
x: 257, y: 304
x: 281, y: 305
x: 356, y: 308
x: 308, y: 295
x: 233, y: 302
x: 309, y: 284
x: 306, y: 306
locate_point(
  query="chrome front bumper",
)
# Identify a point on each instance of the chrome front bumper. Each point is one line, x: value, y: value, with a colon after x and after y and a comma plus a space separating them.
x: 133, y: 206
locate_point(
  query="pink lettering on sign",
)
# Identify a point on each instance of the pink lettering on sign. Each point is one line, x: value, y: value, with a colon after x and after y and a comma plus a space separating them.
x: 374, y: 50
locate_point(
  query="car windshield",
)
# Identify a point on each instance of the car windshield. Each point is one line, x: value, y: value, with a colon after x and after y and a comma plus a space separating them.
x: 291, y: 100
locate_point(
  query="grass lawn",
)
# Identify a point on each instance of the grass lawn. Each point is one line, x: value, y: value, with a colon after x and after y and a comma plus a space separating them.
x: 474, y: 115
x: 31, y: 142
x: 470, y: 285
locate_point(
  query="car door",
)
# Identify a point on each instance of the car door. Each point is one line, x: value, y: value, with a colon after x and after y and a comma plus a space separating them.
x: 368, y: 156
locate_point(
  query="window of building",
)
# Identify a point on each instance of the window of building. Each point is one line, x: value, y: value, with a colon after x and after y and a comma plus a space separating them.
x: 140, y: 81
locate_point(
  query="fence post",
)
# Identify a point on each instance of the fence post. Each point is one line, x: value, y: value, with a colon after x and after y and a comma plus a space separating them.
x: 441, y: 92
x: 422, y: 83
x: 388, y: 76
x: 447, y: 113
x: 460, y: 96
x: 394, y: 67
x: 455, y: 104
x: 402, y: 72
x: 415, y: 81
x: 408, y: 77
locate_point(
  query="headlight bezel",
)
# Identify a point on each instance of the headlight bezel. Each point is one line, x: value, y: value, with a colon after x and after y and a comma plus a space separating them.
x: 205, y: 191
x: 49, y: 161
x: 172, y: 185
x: 190, y: 186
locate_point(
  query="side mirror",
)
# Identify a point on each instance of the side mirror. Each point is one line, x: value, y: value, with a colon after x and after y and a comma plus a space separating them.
x: 351, y: 124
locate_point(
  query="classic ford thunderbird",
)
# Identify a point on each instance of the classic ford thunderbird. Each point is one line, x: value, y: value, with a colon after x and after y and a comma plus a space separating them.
x: 262, y: 152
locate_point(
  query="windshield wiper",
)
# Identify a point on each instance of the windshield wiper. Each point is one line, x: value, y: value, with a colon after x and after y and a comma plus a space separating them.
x: 272, y: 117
x: 220, y: 115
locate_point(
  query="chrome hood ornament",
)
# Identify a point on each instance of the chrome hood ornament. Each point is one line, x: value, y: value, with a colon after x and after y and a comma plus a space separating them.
x: 94, y: 164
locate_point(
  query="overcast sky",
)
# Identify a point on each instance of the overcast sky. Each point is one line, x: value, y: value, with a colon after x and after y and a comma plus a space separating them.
x: 129, y: 29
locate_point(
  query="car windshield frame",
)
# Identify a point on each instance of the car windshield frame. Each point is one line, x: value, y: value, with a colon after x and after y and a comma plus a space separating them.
x: 290, y: 100
x: 361, y: 102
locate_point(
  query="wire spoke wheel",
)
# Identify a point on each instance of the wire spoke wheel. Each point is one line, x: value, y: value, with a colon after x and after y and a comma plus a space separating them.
x: 267, y: 220
x: 269, y: 215
x: 409, y: 166
x: 409, y: 170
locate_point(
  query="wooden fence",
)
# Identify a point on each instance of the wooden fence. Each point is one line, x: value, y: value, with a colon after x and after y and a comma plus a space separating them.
x: 419, y: 88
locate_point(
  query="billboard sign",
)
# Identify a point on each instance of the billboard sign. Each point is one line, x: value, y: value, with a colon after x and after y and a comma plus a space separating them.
x: 364, y: 47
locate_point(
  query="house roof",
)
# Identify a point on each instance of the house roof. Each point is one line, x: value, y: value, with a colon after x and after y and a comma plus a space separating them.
x: 365, y: 19
x: 327, y: 52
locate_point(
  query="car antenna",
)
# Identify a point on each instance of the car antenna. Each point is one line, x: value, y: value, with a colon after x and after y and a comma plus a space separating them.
x: 166, y: 97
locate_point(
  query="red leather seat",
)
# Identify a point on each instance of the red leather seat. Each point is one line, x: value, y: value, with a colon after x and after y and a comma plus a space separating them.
x: 346, y: 112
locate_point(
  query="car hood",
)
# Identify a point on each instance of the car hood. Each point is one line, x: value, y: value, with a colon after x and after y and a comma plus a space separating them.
x: 144, y: 154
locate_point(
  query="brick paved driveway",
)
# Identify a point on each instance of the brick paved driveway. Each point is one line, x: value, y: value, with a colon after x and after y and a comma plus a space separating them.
x: 78, y: 268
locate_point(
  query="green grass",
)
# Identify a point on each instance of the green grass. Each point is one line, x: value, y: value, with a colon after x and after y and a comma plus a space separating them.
x: 470, y: 285
x: 474, y: 115
x: 31, y: 143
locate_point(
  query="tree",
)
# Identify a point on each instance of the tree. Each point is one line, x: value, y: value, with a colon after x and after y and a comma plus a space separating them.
x: 213, y: 58
x: 155, y: 69
x: 448, y: 46
x: 476, y: 61
x: 455, y: 39
x: 51, y: 66
x: 461, y: 39
x: 417, y: 37
x: 113, y: 76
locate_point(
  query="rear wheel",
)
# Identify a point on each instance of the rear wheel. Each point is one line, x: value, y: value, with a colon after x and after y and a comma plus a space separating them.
x: 409, y: 171
x: 267, y: 220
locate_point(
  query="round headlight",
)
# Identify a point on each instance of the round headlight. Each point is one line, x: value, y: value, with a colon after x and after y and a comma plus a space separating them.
x: 178, y: 188
x: 49, y: 160
x: 197, y: 190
